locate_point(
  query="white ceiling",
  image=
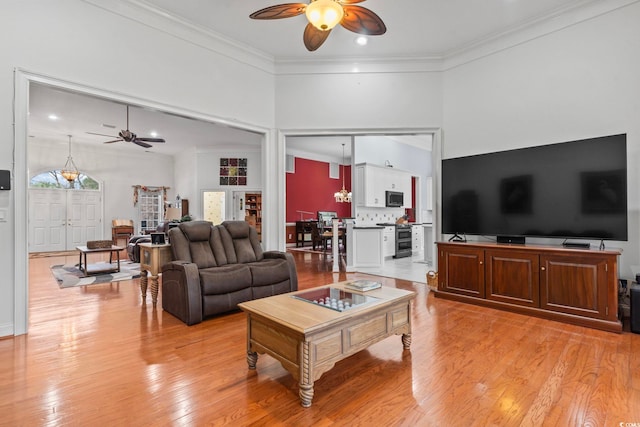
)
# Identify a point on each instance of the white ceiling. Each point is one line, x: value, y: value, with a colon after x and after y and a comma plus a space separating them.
x: 78, y: 114
x: 415, y: 29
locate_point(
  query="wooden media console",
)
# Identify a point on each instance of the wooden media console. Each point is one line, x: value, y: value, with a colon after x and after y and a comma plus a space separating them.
x: 578, y: 286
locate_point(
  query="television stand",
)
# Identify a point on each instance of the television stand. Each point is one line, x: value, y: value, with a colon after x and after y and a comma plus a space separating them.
x: 573, y: 285
x: 457, y: 238
x: 579, y: 245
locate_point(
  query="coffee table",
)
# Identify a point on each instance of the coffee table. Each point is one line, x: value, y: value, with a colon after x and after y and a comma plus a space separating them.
x: 308, y: 338
x: 87, y: 270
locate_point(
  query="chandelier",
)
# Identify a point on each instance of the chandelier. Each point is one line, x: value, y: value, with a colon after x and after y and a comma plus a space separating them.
x: 342, y: 196
x: 70, y: 171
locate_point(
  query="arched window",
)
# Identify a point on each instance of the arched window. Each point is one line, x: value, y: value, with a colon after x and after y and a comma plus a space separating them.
x: 53, y: 179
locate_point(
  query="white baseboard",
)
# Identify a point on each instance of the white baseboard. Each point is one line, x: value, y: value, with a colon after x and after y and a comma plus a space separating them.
x: 6, y: 330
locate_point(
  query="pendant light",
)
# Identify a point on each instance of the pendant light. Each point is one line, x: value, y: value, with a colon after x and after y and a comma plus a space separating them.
x: 343, y: 196
x: 70, y: 171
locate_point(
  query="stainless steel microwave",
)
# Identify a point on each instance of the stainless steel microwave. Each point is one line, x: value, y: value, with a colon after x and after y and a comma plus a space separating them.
x: 394, y: 199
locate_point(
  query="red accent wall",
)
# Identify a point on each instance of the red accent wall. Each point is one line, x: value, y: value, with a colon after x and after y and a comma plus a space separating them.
x: 310, y: 189
x: 411, y: 212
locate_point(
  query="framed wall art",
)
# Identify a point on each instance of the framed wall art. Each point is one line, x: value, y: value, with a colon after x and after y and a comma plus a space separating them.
x: 233, y: 171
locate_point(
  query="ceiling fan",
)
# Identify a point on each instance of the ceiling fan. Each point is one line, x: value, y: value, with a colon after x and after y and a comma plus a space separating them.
x: 323, y: 15
x: 128, y: 136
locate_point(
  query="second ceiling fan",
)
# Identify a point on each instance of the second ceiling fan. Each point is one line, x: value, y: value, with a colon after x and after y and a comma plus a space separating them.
x: 128, y: 136
x: 324, y: 15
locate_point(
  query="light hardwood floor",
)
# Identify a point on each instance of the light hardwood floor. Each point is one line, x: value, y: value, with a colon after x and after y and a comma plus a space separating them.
x: 96, y: 356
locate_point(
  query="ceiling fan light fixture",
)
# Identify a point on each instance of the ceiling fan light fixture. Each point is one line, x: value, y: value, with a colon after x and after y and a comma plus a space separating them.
x: 324, y: 14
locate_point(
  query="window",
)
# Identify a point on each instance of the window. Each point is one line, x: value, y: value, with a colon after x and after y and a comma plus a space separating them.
x: 150, y: 209
x: 53, y: 179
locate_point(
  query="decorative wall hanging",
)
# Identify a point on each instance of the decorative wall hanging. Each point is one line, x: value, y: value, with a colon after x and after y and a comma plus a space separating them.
x: 137, y: 188
x: 233, y: 171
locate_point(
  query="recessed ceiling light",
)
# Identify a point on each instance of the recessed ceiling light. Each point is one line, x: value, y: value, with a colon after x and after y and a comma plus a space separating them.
x: 53, y: 117
x: 362, y: 40
x: 154, y: 134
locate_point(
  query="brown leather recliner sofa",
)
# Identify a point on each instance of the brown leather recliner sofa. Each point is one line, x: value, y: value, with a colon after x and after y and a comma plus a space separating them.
x: 217, y: 267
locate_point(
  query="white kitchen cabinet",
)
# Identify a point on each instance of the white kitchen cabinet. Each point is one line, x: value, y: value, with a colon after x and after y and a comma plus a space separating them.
x: 388, y: 241
x: 427, y: 230
x: 417, y: 238
x: 372, y: 181
x: 367, y: 246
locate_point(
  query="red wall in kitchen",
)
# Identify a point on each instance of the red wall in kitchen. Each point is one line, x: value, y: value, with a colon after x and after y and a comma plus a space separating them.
x: 310, y: 189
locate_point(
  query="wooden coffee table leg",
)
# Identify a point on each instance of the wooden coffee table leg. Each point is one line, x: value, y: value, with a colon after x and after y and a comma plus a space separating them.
x: 306, y: 381
x: 143, y: 286
x: 406, y: 341
x: 252, y: 359
x: 306, y: 394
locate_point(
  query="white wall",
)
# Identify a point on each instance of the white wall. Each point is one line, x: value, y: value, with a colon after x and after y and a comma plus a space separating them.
x: 115, y: 171
x: 186, y: 185
x: 396, y: 100
x: 77, y: 42
x: 208, y: 173
x: 576, y: 83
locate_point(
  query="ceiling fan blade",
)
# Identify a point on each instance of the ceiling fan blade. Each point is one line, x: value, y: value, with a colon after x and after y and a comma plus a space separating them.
x: 313, y: 37
x: 142, y: 144
x: 362, y: 21
x: 157, y: 140
x: 115, y: 140
x: 279, y: 11
x: 350, y: 1
x: 101, y: 134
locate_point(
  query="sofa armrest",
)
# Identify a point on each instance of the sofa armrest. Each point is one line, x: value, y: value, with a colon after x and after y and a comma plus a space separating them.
x: 293, y: 273
x: 181, y: 293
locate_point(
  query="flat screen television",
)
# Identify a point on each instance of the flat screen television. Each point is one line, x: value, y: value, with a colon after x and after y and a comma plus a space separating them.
x: 568, y: 190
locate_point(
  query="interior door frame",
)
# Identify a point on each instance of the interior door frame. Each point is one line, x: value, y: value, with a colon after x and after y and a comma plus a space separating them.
x: 22, y: 81
x: 436, y: 169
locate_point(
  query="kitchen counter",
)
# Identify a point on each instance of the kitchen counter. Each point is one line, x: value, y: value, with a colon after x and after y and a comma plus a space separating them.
x: 367, y: 246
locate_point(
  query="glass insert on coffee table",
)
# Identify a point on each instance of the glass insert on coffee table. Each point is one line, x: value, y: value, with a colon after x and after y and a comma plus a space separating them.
x: 335, y: 299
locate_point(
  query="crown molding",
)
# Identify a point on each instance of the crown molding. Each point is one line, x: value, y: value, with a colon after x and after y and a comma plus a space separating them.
x: 151, y: 16
x: 358, y: 65
x: 562, y: 18
x: 160, y: 20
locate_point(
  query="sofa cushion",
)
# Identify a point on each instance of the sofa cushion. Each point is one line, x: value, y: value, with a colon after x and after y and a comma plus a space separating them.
x: 246, y: 243
x: 225, y: 279
x: 268, y: 271
x: 197, y: 235
x: 217, y: 304
x: 202, y: 255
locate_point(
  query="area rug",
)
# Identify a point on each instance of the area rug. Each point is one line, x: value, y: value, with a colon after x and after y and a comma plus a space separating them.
x: 69, y: 275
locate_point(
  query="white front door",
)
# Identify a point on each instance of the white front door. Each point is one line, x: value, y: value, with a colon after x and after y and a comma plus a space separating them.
x: 84, y: 209
x: 61, y: 219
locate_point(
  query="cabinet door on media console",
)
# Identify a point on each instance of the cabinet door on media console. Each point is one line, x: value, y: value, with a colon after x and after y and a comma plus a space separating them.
x: 512, y: 277
x: 462, y: 271
x: 576, y: 284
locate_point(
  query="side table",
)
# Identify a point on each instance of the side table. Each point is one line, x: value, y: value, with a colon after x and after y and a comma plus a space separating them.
x: 152, y: 258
